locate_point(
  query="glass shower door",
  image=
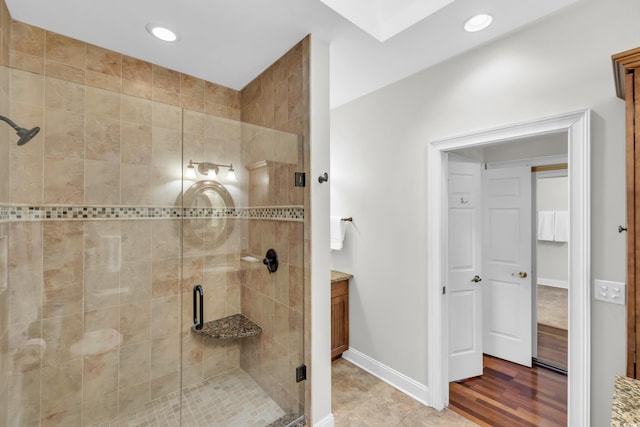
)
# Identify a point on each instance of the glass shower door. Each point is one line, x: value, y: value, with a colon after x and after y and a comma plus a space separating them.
x: 242, y: 240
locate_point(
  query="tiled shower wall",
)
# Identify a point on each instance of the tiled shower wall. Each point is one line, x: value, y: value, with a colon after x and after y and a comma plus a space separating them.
x: 93, y: 327
x: 279, y: 99
x: 5, y: 41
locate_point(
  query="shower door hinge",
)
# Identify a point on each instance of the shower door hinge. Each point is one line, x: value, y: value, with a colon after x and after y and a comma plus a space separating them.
x: 444, y: 290
x: 300, y: 179
x: 301, y: 373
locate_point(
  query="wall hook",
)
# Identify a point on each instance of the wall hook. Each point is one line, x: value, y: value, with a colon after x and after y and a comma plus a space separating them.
x: 621, y: 229
x: 323, y: 178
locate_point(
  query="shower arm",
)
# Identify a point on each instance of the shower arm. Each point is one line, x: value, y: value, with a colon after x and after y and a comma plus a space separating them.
x: 10, y: 122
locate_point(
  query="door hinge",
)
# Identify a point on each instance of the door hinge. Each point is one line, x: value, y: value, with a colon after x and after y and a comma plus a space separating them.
x: 300, y: 179
x: 301, y: 373
x: 444, y: 290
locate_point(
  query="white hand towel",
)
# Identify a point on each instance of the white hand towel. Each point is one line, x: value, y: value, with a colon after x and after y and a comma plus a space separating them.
x: 337, y: 233
x: 561, y: 229
x: 546, y: 220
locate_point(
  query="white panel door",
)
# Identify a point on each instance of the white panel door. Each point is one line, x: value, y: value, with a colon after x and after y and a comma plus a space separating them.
x: 507, y: 263
x: 464, y: 262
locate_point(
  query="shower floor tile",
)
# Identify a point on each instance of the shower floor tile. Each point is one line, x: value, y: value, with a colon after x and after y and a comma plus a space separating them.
x: 233, y: 399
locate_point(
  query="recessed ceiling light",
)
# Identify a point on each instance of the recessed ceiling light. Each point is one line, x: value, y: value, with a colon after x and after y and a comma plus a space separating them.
x: 162, y: 33
x: 478, y: 22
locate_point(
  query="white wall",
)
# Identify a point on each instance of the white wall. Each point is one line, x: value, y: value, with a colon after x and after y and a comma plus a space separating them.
x: 552, y: 194
x: 378, y: 149
x: 320, y: 371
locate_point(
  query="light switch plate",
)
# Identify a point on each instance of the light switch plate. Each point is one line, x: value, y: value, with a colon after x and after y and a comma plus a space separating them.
x: 612, y: 292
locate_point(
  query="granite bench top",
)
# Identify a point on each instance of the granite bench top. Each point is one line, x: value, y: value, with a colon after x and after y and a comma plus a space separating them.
x: 234, y: 326
x: 625, y: 410
x: 337, y: 276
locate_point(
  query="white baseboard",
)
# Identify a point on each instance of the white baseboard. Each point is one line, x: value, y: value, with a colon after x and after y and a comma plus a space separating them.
x: 555, y: 283
x: 408, y: 386
x: 327, y: 421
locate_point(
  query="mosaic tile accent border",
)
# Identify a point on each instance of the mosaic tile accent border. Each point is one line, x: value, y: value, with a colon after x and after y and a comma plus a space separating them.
x: 83, y: 213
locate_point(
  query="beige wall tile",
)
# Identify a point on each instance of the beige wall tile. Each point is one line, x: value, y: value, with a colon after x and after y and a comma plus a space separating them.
x: 214, y: 358
x: 27, y: 39
x: 103, y: 81
x: 192, y: 348
x: 165, y: 385
x: 25, y: 349
x: 66, y: 50
x: 136, y: 240
x: 165, y: 356
x: 64, y: 72
x: 25, y: 272
x: 137, y: 110
x: 26, y: 62
x: 165, y: 317
x: 104, y: 61
x: 135, y: 321
x: 101, y: 241
x: 166, y: 116
x: 63, y: 181
x: 102, y: 182
x: 100, y: 410
x: 26, y: 88
x: 61, y: 333
x: 24, y: 398
x: 166, y: 79
x: 63, y: 134
x: 134, y: 365
x: 136, y: 185
x: 103, y: 138
x: 135, y: 281
x: 64, y: 95
x: 133, y: 398
x: 101, y: 287
x: 100, y: 375
x: 103, y: 103
x: 102, y: 320
x: 62, y: 267
x: 135, y: 144
x: 165, y: 277
x: 62, y: 393
x: 136, y: 70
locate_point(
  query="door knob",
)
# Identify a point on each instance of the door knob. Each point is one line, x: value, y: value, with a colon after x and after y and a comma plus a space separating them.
x: 476, y: 279
x: 521, y: 274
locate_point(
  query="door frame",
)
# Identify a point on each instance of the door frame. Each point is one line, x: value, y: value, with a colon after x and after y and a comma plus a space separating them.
x: 577, y: 125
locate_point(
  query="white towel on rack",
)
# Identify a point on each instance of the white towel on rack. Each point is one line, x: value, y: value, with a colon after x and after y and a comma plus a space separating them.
x: 546, y: 221
x: 561, y: 227
x: 337, y: 233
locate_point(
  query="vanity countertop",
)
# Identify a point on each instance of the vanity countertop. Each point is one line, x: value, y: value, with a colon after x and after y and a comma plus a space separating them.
x: 337, y: 276
x: 625, y: 410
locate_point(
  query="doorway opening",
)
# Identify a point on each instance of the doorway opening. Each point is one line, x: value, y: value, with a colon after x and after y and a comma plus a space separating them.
x: 576, y: 126
x: 551, y: 294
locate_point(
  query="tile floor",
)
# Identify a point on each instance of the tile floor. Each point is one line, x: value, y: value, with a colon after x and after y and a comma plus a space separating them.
x: 362, y: 400
x: 233, y: 399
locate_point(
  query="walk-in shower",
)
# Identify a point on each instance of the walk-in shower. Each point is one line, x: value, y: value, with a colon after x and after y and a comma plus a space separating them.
x: 100, y: 255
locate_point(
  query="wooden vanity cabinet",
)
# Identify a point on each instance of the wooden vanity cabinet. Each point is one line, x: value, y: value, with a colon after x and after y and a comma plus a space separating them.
x: 339, y: 318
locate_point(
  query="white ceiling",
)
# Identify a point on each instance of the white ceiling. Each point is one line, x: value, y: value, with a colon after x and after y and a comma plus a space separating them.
x: 231, y: 42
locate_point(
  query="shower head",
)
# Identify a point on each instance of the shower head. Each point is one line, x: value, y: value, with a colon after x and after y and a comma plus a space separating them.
x: 24, y: 134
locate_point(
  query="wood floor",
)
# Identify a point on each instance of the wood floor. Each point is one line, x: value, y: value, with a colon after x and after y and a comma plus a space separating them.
x: 552, y: 346
x: 511, y: 395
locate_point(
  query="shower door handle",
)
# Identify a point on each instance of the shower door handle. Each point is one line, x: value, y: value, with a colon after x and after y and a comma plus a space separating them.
x: 198, y: 320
